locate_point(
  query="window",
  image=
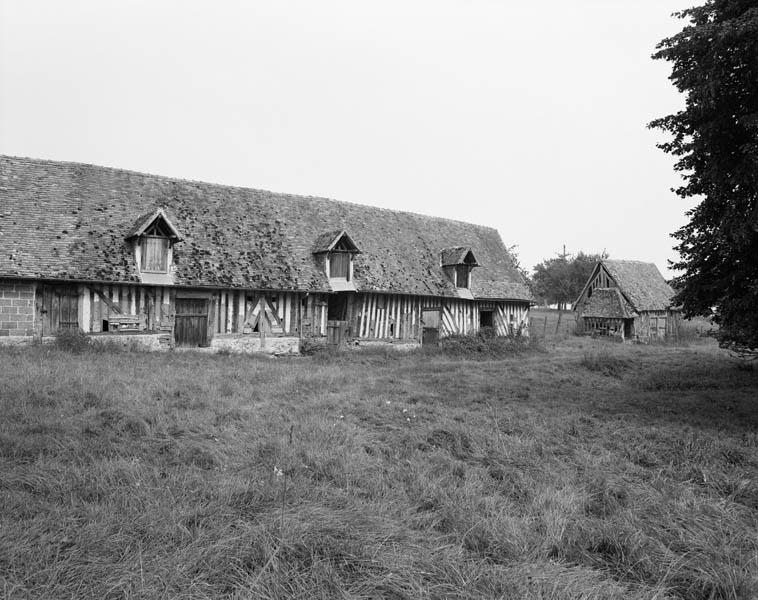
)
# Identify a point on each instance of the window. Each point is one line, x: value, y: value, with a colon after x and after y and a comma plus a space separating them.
x: 339, y: 265
x: 461, y: 276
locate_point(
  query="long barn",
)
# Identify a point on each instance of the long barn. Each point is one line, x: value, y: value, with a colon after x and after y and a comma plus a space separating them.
x: 166, y: 262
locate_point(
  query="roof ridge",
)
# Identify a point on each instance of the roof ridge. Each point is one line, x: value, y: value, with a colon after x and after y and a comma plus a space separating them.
x: 32, y: 160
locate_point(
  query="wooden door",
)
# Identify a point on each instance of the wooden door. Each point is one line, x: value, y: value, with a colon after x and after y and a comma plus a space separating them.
x: 60, y: 308
x: 191, y: 322
x: 658, y: 326
x: 337, y: 332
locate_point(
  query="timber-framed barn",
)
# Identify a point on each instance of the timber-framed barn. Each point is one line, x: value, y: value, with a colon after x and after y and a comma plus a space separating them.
x: 628, y: 299
x: 124, y: 256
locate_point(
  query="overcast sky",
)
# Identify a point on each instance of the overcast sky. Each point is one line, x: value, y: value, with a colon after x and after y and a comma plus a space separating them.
x: 525, y: 116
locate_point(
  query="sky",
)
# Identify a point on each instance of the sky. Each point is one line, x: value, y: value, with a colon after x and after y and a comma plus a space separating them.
x: 529, y: 117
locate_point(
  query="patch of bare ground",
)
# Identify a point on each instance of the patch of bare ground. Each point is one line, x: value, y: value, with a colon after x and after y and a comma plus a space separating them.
x: 590, y: 470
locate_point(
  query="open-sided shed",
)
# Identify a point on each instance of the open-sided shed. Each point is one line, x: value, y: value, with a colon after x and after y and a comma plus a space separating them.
x: 626, y: 298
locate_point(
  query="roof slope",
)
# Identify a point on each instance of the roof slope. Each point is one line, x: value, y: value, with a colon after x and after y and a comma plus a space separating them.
x: 69, y: 221
x: 607, y: 303
x: 642, y: 283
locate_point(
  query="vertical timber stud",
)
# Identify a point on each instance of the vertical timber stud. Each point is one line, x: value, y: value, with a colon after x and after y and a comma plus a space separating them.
x: 240, y: 311
x: 85, y: 310
x: 229, y: 312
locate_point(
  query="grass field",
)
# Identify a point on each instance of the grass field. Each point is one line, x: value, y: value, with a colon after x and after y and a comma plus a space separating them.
x: 586, y: 470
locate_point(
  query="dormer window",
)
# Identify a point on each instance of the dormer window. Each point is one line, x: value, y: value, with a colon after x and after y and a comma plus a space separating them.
x: 155, y: 244
x: 154, y: 237
x: 458, y: 262
x: 337, y: 250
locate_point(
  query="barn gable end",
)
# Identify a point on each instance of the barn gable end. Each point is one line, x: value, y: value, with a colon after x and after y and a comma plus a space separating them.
x: 626, y: 298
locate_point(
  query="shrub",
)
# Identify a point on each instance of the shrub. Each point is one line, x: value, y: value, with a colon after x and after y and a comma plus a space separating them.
x: 484, y: 345
x: 72, y: 340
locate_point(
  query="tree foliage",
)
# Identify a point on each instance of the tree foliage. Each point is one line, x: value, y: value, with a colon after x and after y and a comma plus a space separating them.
x: 560, y: 280
x: 714, y: 62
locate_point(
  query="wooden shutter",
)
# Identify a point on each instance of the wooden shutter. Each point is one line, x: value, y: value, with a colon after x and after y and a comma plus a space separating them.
x: 461, y: 277
x: 339, y: 265
x: 155, y: 254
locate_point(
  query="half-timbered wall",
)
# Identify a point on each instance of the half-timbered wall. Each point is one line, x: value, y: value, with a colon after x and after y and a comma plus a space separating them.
x: 97, y: 308
x: 601, y: 280
x: 399, y: 317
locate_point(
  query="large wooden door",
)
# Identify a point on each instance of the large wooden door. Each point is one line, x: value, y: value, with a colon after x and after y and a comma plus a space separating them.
x: 191, y: 323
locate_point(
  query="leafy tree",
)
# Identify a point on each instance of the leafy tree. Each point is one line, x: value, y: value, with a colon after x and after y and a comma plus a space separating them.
x: 714, y: 63
x: 560, y: 280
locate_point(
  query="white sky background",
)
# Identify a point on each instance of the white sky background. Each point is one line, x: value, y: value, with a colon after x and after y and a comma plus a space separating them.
x: 525, y: 116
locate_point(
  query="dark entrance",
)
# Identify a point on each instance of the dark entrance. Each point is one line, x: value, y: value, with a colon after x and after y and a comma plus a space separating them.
x: 337, y: 325
x: 485, y: 318
x: 628, y: 328
x: 191, y: 324
x: 430, y: 320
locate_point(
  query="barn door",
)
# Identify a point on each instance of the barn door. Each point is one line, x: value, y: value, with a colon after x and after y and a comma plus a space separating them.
x: 430, y: 319
x: 658, y: 326
x: 191, y: 323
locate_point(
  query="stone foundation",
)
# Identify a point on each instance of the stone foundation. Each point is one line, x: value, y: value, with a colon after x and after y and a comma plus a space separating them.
x: 393, y: 345
x: 145, y: 342
x: 249, y: 344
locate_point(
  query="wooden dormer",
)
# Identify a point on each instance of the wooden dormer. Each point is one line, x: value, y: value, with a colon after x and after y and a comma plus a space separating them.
x: 336, y: 249
x: 154, y: 236
x: 457, y: 262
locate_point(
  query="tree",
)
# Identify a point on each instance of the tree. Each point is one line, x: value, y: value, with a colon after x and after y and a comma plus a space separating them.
x: 714, y: 63
x: 560, y: 280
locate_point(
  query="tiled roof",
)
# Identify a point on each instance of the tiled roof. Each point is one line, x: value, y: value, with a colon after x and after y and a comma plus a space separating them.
x: 326, y: 241
x: 456, y: 256
x: 70, y: 221
x: 146, y: 220
x: 607, y: 303
x: 642, y: 283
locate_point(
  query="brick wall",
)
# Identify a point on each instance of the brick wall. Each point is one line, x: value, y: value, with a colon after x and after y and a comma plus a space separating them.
x: 16, y: 309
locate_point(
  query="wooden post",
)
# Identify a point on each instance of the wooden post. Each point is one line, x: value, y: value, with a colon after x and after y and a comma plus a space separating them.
x: 544, y: 328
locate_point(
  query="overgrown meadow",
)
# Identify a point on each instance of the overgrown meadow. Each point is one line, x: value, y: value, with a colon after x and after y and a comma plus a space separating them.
x: 584, y: 469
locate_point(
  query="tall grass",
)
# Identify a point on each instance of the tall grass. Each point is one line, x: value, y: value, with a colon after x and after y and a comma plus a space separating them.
x: 370, y: 476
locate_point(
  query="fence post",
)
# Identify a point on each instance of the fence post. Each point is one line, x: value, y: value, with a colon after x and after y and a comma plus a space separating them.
x: 544, y: 328
x: 558, y: 324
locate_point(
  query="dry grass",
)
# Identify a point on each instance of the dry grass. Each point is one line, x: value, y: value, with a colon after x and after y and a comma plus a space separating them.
x: 593, y: 471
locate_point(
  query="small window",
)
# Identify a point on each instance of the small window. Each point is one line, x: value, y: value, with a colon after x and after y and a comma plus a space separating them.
x: 154, y: 254
x: 461, y: 276
x: 485, y: 318
x: 339, y: 265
